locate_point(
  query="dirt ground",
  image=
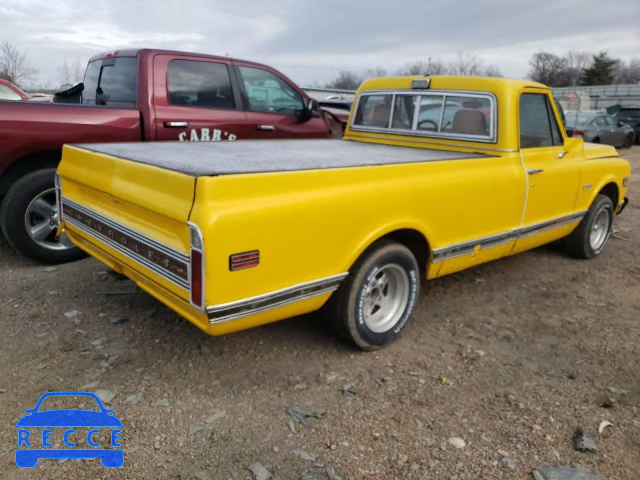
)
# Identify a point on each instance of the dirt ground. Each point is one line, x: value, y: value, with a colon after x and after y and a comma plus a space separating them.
x: 532, y: 347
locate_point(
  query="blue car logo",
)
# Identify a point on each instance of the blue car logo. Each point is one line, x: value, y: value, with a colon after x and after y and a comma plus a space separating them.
x: 31, y: 447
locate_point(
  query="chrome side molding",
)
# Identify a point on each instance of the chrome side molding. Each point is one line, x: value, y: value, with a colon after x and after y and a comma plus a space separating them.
x: 268, y: 301
x: 466, y: 248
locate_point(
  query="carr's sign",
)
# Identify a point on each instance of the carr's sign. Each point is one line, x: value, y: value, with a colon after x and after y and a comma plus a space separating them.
x: 41, y: 428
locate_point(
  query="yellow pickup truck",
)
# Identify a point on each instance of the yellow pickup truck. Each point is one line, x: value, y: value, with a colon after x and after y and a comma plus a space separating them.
x: 434, y: 175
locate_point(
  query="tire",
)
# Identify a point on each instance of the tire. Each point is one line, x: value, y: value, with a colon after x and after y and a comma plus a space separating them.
x: 588, y: 239
x: 386, y: 273
x: 595, y: 140
x: 26, y: 203
x: 628, y: 141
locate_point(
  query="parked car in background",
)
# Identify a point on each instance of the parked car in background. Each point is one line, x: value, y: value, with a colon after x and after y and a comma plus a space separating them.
x: 132, y: 96
x: 600, y: 128
x: 630, y: 116
x: 8, y: 91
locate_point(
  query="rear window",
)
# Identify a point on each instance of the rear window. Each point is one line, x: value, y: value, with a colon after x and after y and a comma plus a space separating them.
x: 438, y: 114
x: 111, y: 82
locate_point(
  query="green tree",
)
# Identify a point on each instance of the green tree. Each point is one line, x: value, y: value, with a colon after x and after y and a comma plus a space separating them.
x: 601, y: 71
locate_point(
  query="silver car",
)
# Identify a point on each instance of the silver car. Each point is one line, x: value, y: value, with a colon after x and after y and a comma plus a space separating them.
x: 599, y: 128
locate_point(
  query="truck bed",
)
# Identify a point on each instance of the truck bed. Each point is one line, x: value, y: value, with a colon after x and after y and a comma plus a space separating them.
x: 229, y: 158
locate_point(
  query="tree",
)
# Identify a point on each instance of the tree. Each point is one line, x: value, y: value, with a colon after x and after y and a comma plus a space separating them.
x: 346, y: 81
x: 548, y: 69
x: 14, y: 65
x: 600, y: 72
x: 375, y: 73
x: 626, y: 73
x: 492, y: 71
x: 576, y: 62
x: 466, y: 64
x: 420, y: 67
x: 71, y: 73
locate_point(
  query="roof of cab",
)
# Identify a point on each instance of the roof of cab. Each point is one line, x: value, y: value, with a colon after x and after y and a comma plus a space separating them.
x: 134, y: 52
x: 446, y: 82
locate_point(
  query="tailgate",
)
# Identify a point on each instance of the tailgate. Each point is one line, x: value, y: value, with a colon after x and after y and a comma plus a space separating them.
x: 135, y: 212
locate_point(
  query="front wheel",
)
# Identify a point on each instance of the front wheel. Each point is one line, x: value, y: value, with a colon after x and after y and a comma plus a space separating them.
x: 378, y: 297
x: 592, y: 234
x: 29, y: 216
x: 628, y: 142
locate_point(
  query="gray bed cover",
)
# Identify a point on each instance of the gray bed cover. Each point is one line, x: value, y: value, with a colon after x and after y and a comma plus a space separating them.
x: 228, y: 158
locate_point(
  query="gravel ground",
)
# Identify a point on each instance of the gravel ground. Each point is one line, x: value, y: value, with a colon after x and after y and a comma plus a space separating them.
x: 500, y: 366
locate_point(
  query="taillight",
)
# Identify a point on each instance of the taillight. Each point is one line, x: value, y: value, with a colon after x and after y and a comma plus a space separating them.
x: 58, y: 185
x: 196, y: 267
x: 580, y: 132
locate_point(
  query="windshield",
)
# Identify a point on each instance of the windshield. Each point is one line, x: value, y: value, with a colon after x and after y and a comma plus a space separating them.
x: 69, y: 402
x: 111, y: 81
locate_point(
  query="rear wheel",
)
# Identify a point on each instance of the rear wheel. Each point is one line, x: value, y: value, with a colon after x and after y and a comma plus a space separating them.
x: 378, y: 297
x: 592, y: 234
x: 29, y: 216
x: 595, y: 140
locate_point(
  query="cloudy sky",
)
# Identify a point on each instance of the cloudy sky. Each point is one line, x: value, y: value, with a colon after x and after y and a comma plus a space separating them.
x: 311, y: 40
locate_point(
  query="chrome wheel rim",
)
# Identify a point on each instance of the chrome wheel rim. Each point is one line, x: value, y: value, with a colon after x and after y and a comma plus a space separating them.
x: 386, y: 294
x: 41, y: 222
x: 599, y: 230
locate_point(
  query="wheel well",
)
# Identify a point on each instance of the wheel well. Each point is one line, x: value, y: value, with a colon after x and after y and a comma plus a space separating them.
x: 28, y: 164
x: 414, y: 241
x: 611, y: 191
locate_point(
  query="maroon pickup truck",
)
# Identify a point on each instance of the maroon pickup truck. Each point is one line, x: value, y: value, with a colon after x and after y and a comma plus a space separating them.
x: 139, y: 95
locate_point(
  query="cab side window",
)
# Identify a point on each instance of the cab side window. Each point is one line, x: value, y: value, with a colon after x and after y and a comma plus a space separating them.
x: 538, y: 126
x: 268, y: 93
x: 7, y: 94
x: 600, y: 121
x: 200, y: 84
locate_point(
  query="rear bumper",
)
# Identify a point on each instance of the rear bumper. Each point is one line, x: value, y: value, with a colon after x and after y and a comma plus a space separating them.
x: 164, y: 295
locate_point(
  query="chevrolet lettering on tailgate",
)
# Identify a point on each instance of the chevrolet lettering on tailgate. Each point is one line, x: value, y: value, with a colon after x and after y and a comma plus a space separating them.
x: 434, y: 175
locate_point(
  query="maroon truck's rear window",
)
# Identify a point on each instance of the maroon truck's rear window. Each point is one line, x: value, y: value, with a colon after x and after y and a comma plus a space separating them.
x: 111, y: 81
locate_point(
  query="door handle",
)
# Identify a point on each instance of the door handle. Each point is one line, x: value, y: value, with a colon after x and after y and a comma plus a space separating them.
x: 266, y: 128
x: 534, y: 171
x: 562, y: 154
x: 176, y: 124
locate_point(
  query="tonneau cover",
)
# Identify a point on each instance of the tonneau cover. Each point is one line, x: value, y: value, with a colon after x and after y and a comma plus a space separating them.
x: 228, y: 158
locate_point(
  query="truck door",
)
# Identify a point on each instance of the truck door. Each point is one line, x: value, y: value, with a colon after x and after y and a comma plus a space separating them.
x: 275, y: 107
x: 196, y: 100
x: 553, y: 171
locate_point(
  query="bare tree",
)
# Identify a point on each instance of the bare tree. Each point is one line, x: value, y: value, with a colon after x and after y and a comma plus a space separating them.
x: 14, y: 64
x: 576, y: 63
x: 492, y: 71
x: 626, y: 72
x: 549, y: 69
x: 346, y: 81
x: 466, y: 64
x: 420, y: 67
x: 375, y: 73
x: 71, y: 72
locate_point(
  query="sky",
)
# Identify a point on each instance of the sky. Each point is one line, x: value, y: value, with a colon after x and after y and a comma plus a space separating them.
x: 311, y: 40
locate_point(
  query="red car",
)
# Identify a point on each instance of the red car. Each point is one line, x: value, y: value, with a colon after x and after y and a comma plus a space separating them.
x: 138, y: 95
x: 8, y: 91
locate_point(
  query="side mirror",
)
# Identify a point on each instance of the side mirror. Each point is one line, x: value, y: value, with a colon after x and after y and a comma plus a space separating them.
x: 309, y: 109
x: 620, y: 124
